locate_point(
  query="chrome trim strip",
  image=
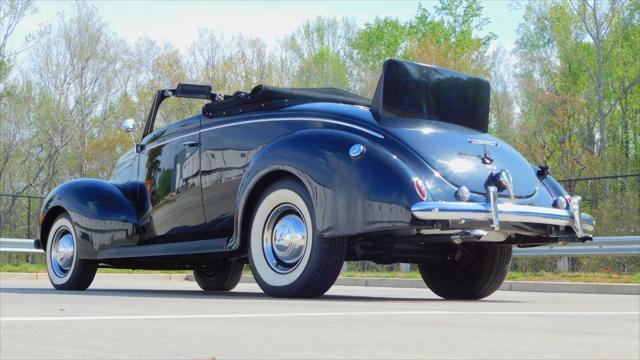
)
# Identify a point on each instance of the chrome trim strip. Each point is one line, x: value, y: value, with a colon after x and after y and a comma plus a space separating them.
x: 363, y: 129
x: 506, y: 212
x: 353, y: 126
x: 152, y: 146
x: 482, y: 142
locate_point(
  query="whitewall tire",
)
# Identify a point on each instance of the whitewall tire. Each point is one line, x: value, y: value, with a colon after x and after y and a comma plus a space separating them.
x: 65, y: 268
x: 287, y: 258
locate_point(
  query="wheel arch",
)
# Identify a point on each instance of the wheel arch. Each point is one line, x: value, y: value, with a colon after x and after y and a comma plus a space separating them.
x: 47, y: 222
x: 247, y: 207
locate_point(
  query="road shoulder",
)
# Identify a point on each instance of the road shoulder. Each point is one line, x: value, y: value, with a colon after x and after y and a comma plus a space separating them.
x: 524, y: 286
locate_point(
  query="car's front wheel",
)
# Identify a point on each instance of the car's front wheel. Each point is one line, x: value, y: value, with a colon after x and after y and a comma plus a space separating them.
x: 287, y: 257
x: 476, y: 273
x: 65, y: 268
x: 223, y: 277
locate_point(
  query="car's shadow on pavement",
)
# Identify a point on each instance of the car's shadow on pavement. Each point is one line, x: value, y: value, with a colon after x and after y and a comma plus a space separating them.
x: 244, y: 295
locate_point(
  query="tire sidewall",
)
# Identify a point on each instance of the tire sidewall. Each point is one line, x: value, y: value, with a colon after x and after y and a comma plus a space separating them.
x: 275, y: 196
x: 483, y: 277
x: 224, y: 280
x: 61, y: 221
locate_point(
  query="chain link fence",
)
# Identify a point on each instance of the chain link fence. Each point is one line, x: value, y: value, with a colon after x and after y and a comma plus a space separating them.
x: 19, y: 218
x: 594, y: 264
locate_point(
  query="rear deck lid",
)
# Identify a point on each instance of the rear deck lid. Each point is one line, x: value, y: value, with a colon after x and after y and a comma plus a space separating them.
x: 457, y: 153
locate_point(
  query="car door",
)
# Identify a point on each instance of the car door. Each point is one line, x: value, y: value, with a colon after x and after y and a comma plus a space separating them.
x: 170, y: 171
x: 228, y: 147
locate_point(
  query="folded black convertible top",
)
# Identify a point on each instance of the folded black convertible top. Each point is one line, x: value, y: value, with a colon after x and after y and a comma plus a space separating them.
x: 405, y: 90
x: 408, y: 90
x: 264, y: 97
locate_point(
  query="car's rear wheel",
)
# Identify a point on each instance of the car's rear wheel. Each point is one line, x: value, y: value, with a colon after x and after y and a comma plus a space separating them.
x: 287, y: 257
x: 477, y: 272
x: 223, y: 277
x: 65, y: 268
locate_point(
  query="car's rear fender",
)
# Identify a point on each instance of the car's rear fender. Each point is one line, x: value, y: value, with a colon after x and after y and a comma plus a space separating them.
x: 103, y: 214
x: 371, y: 192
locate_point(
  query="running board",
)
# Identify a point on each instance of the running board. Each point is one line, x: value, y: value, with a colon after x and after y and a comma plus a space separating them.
x: 169, y: 249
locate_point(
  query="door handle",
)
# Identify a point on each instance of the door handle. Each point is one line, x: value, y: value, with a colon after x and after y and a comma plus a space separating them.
x: 191, y: 143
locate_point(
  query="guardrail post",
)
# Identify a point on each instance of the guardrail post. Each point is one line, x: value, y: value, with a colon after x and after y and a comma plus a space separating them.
x: 563, y: 264
x: 30, y: 257
x: 29, y: 217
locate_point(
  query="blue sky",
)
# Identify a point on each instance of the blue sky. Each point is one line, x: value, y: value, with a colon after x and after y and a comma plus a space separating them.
x: 178, y: 22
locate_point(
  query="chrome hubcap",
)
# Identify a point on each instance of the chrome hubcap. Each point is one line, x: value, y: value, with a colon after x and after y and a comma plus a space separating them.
x: 62, y: 252
x: 284, y: 239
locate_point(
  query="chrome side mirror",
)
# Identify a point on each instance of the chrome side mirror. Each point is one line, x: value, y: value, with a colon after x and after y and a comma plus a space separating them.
x: 128, y: 125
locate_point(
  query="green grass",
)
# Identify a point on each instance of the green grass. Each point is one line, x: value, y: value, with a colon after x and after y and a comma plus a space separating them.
x: 515, y: 276
x: 381, y: 274
x: 520, y: 276
x: 599, y: 277
x: 27, y: 268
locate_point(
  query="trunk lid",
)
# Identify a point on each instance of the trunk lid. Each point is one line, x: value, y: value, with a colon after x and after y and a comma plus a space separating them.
x: 457, y: 152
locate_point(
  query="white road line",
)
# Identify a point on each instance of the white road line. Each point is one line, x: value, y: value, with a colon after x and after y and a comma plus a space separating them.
x: 318, y: 314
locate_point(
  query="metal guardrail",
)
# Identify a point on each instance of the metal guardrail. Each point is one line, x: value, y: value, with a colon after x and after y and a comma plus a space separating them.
x: 18, y: 245
x: 19, y: 214
x: 600, y: 246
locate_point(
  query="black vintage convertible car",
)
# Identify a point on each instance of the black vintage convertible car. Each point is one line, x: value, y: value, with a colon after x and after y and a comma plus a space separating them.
x: 296, y: 181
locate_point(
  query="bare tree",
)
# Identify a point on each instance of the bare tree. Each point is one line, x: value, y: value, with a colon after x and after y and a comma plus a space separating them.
x: 11, y: 12
x: 250, y: 64
x: 503, y: 94
x: 206, y: 59
x: 76, y: 59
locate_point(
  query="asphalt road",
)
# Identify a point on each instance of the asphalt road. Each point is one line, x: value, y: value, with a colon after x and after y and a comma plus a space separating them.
x: 161, y: 319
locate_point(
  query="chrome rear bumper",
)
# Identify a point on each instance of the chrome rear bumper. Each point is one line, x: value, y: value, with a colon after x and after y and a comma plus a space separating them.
x: 495, y: 213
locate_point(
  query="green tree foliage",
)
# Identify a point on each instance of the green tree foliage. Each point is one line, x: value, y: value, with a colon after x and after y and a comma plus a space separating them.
x: 450, y: 36
x: 316, y: 53
x: 383, y: 39
x: 373, y: 44
x: 447, y: 37
x: 579, y: 82
x: 323, y: 69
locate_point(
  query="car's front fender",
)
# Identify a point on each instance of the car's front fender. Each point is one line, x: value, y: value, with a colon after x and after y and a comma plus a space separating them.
x: 102, y: 214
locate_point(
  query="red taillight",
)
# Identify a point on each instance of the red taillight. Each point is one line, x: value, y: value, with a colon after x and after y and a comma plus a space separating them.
x: 421, y: 189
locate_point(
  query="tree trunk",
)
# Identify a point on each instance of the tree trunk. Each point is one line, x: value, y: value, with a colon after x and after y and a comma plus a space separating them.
x: 626, y: 148
x: 598, y: 37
